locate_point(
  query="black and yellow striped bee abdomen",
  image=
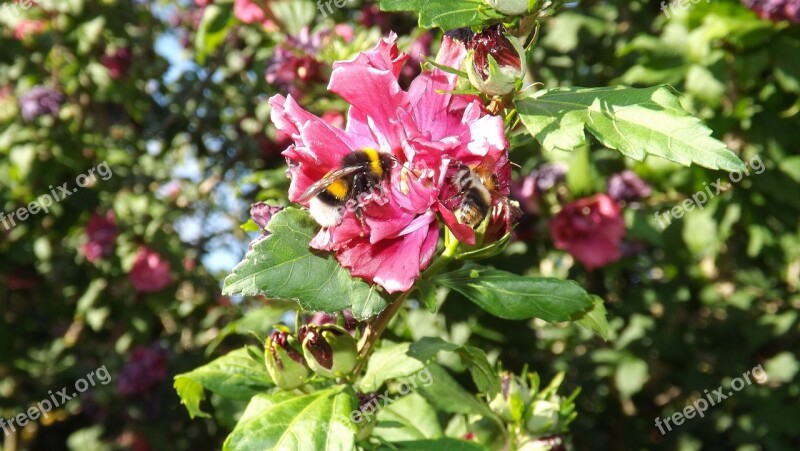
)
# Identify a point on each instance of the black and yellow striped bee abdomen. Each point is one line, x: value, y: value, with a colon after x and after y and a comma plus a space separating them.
x: 359, y: 172
x: 475, y: 198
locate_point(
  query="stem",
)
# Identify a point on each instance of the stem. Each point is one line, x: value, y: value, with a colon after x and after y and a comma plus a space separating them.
x: 374, y: 330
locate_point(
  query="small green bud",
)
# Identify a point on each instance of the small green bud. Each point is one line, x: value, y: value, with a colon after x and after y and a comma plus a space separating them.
x: 513, y: 399
x: 542, y: 417
x: 284, y: 359
x: 330, y: 351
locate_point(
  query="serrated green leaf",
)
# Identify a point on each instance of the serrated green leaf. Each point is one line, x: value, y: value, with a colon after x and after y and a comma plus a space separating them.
x: 511, y: 296
x: 283, y: 267
x: 320, y: 421
x: 446, y: 14
x: 596, y: 318
x: 637, y: 122
x: 191, y: 394
x: 236, y: 375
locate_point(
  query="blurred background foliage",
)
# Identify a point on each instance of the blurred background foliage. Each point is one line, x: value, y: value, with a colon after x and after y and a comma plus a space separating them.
x: 171, y: 95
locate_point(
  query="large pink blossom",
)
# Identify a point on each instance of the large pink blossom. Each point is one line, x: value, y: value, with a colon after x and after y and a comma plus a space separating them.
x: 430, y: 134
x: 150, y: 272
x: 591, y: 229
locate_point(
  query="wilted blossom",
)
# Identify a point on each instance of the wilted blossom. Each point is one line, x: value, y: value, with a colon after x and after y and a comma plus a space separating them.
x: 252, y: 11
x: 144, y: 370
x: 150, y: 272
x: 429, y: 134
x: 591, y: 229
x: 40, y: 101
x: 262, y: 214
x: 118, y: 62
x: 529, y: 189
x: 102, y: 235
x: 626, y: 186
x: 776, y: 10
x: 371, y: 16
x: 294, y: 65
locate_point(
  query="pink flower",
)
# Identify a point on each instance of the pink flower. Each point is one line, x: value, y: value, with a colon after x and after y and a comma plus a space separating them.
x: 430, y: 136
x: 27, y: 28
x: 251, y: 11
x: 150, y: 272
x: 591, y: 229
x: 102, y: 233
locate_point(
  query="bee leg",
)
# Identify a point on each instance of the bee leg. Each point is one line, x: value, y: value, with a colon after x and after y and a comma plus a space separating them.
x: 360, y: 217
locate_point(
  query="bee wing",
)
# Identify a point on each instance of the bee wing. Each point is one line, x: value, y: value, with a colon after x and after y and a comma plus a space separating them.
x: 325, y: 182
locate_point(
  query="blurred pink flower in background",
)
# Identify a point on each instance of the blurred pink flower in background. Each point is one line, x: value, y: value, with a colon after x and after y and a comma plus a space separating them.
x: 102, y: 234
x: 145, y: 368
x: 150, y: 272
x: 590, y: 229
x: 26, y: 28
x: 118, y: 62
x: 251, y: 11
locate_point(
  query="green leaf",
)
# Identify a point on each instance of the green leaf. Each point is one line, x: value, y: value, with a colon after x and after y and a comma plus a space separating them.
x: 389, y: 362
x: 191, y: 394
x: 283, y: 267
x: 630, y: 376
x: 446, y: 14
x: 511, y: 296
x: 595, y: 319
x: 405, y: 359
x: 320, y: 421
x: 637, y: 122
x: 446, y: 394
x: 483, y: 374
x: 217, y: 20
x: 236, y: 375
x: 408, y: 418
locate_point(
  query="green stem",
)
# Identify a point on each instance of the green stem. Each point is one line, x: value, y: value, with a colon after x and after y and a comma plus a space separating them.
x: 374, y: 330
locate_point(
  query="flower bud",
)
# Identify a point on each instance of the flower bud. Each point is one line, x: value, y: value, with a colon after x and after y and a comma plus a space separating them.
x: 330, y: 350
x: 509, y: 7
x: 496, y: 60
x: 512, y: 400
x: 284, y: 360
x: 543, y: 417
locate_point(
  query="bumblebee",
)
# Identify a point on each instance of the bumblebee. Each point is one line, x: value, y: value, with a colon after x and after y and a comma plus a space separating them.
x: 476, y: 189
x: 359, y: 172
